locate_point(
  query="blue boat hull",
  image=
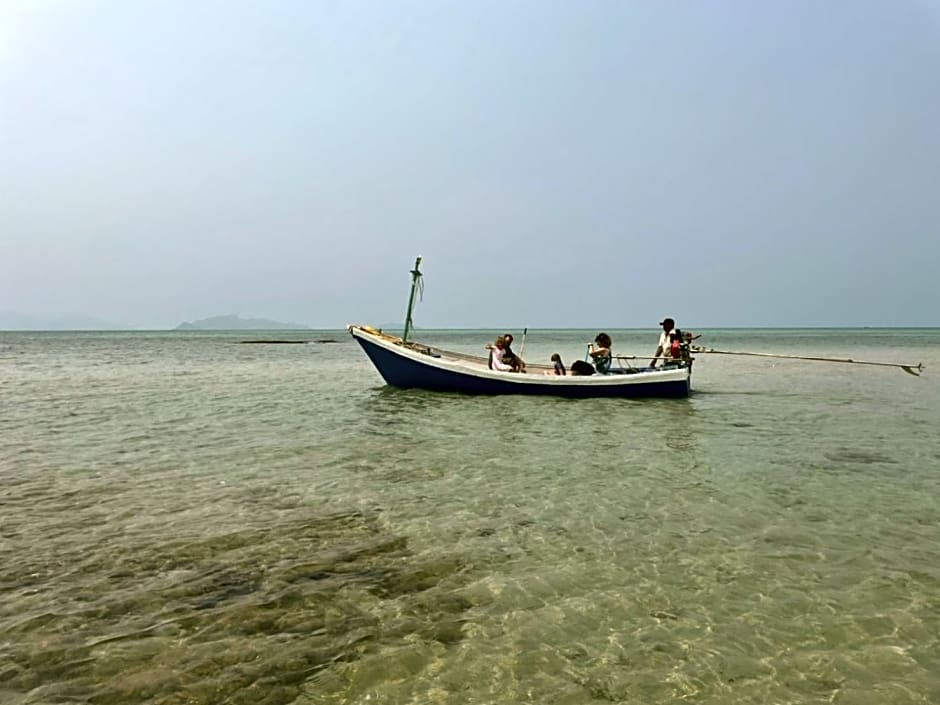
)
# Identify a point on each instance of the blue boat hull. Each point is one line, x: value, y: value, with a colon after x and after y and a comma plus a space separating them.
x: 405, y: 368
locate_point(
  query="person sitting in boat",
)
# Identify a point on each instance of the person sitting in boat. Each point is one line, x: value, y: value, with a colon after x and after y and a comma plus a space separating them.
x: 558, y: 365
x: 676, y: 341
x: 580, y: 368
x: 681, y: 345
x: 497, y: 355
x: 601, y: 355
x: 509, y: 357
x: 662, y: 350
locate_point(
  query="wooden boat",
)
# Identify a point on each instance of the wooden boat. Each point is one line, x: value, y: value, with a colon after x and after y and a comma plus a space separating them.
x: 413, y: 365
x: 406, y: 364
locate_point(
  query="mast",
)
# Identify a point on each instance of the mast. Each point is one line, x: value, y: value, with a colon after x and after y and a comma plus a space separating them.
x: 415, y: 278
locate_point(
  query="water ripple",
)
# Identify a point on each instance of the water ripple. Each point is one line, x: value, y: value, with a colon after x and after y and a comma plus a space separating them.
x: 184, y: 520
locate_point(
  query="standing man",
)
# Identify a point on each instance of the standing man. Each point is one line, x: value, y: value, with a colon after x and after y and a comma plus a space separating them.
x: 663, y: 348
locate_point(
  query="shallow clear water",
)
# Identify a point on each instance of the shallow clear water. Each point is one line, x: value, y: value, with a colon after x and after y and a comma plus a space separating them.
x: 185, y: 519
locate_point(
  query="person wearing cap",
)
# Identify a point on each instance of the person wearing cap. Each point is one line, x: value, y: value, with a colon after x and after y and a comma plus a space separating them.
x: 663, y: 348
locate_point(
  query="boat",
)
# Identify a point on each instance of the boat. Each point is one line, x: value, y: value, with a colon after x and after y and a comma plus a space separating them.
x: 409, y: 365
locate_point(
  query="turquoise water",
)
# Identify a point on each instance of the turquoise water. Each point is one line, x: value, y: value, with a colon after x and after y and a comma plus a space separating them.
x: 185, y: 519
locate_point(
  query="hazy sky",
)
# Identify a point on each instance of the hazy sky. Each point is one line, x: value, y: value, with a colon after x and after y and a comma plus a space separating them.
x: 596, y: 164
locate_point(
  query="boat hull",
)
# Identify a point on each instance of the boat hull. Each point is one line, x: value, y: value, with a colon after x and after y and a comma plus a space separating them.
x: 411, y: 367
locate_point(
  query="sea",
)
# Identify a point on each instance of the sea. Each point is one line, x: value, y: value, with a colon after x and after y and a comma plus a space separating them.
x: 191, y: 518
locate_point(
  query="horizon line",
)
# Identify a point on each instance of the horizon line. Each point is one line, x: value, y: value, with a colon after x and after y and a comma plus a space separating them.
x: 463, y: 328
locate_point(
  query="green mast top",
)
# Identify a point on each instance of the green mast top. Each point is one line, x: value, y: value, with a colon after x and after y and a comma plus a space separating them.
x: 415, y: 279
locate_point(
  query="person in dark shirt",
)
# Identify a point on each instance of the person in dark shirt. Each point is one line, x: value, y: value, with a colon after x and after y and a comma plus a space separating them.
x: 509, y: 357
x: 581, y: 368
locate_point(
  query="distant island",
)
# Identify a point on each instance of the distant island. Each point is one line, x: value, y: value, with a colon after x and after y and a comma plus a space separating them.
x: 234, y: 322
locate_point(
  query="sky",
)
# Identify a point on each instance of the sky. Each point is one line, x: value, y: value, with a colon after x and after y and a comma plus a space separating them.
x: 603, y: 163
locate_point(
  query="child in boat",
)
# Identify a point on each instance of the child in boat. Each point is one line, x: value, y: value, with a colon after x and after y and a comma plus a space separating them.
x: 502, y: 358
x: 559, y: 366
x: 680, y: 345
x: 497, y: 352
x: 676, y: 339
